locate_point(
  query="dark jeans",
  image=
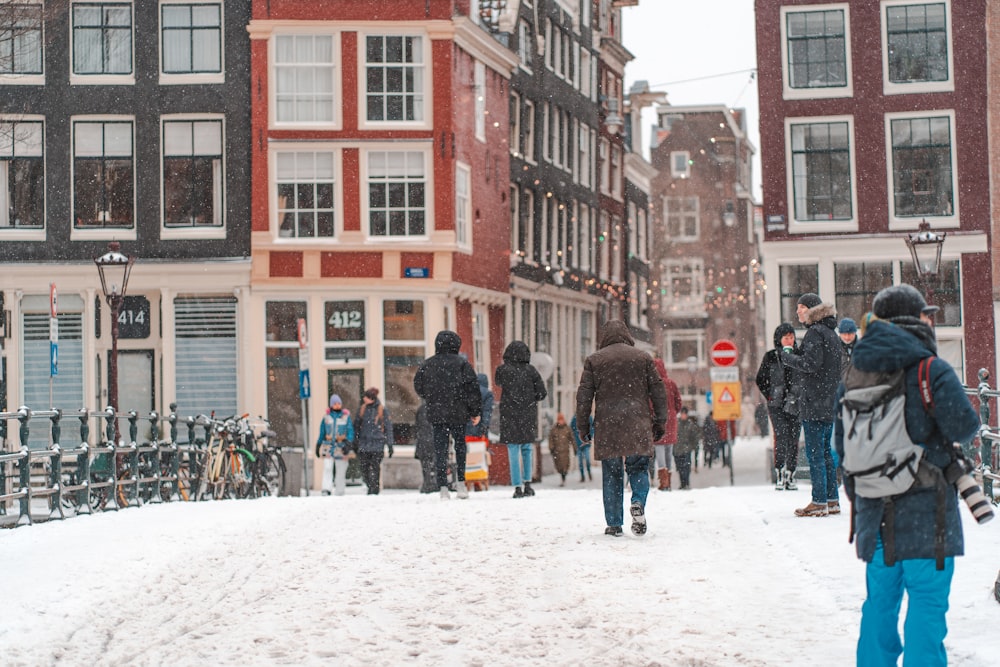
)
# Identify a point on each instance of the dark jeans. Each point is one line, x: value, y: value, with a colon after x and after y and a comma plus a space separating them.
x: 613, y: 473
x: 786, y: 438
x: 683, y: 462
x: 371, y: 470
x: 822, y: 471
x: 441, y: 434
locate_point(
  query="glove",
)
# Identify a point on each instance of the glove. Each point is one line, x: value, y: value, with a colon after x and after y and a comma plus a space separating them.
x: 658, y: 431
x: 390, y: 451
x: 317, y: 450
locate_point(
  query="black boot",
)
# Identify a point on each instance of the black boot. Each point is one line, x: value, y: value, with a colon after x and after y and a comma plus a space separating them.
x: 528, y: 491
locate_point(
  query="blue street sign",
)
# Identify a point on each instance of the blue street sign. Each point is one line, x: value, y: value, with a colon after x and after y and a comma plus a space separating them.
x: 53, y: 358
x: 416, y: 272
x: 304, y: 388
x: 708, y: 397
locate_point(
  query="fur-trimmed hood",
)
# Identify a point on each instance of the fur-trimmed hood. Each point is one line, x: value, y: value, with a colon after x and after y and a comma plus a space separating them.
x: 820, y: 312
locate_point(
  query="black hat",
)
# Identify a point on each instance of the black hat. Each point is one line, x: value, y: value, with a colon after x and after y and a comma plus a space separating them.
x: 810, y: 300
x: 901, y: 301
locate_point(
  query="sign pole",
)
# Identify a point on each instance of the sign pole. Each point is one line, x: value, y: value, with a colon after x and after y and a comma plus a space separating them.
x: 53, y: 337
x: 304, y: 393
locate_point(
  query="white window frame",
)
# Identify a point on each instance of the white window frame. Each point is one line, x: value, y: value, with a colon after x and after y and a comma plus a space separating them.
x: 274, y: 224
x: 218, y: 229
x: 546, y: 130
x: 168, y: 79
x: 102, y: 233
x: 525, y: 47
x: 101, y: 79
x: 680, y: 173
x: 530, y: 221
x: 335, y: 84
x: 911, y: 222
x: 463, y: 207
x: 790, y: 93
x: 426, y: 66
x: 481, y: 339
x: 529, y: 131
x: 682, y: 238
x: 428, y: 208
x: 479, y: 94
x: 889, y: 88
x: 515, y: 125
x: 13, y: 78
x: 692, y: 268
x: 683, y: 335
x: 8, y: 143
x: 796, y: 226
x: 514, y: 194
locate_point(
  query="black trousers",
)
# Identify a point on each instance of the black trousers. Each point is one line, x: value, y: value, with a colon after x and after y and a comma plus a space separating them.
x: 786, y: 438
x: 441, y: 434
x: 371, y: 470
x: 683, y: 462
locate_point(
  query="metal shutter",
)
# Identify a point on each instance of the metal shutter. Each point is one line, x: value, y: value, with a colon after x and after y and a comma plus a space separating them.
x: 206, y: 373
x: 67, y: 387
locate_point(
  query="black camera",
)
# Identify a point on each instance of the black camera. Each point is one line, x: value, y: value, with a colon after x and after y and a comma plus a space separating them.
x: 958, y: 474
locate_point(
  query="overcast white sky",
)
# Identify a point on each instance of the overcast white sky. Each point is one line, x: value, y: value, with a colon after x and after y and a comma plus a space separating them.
x: 675, y: 41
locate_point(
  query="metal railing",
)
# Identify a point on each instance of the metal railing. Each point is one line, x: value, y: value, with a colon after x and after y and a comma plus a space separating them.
x: 989, y: 436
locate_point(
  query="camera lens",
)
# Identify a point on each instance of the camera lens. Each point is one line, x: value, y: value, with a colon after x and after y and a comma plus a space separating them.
x: 977, y: 502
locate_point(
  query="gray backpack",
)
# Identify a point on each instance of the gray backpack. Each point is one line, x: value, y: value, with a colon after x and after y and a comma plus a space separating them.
x: 879, y: 455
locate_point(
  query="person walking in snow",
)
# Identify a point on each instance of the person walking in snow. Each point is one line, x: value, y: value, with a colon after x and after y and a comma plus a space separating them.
x: 334, y: 446
x: 448, y: 385
x: 818, y: 365
x: 688, y: 435
x: 562, y: 446
x: 901, y: 538
x: 521, y: 387
x: 777, y: 385
x: 620, y: 384
x: 711, y: 439
x: 482, y: 428
x: 374, y: 434
x: 582, y: 448
x: 664, y: 447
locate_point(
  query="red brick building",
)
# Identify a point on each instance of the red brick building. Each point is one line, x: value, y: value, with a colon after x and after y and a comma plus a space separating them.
x: 877, y: 120
x: 380, y: 186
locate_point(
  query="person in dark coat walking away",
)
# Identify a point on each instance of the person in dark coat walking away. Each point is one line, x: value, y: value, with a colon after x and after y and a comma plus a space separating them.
x: 900, y: 339
x: 424, y: 449
x: 629, y: 401
x: 521, y: 387
x: 483, y: 427
x: 374, y: 433
x: 562, y: 446
x: 777, y: 384
x: 664, y: 447
x: 819, y: 369
x: 582, y: 448
x: 688, y: 435
x: 448, y: 385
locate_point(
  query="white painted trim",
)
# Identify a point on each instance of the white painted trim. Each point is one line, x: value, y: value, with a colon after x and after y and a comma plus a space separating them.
x: 936, y: 221
x: 796, y: 226
x: 889, y: 88
x: 790, y: 93
x: 296, y: 29
x: 427, y: 66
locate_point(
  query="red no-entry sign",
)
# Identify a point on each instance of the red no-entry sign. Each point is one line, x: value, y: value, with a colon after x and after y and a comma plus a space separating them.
x: 723, y: 353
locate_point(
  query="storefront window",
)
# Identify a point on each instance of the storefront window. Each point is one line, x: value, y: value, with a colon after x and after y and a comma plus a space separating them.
x: 405, y: 350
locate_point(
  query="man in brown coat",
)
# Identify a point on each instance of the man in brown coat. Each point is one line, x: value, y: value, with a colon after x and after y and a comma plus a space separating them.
x: 622, y: 381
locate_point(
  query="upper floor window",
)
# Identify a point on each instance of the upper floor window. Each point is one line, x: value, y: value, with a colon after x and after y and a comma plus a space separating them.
x: 922, y: 164
x: 22, y: 174
x: 916, y: 46
x: 514, y: 136
x: 525, y: 47
x: 794, y: 280
x: 682, y: 218
x: 529, y: 131
x: 304, y: 74
x: 102, y: 38
x: 305, y: 194
x: 815, y: 42
x: 463, y: 206
x: 479, y: 76
x: 21, y: 51
x: 397, y: 193
x: 394, y: 78
x: 192, y: 38
x: 103, y: 174
x: 820, y: 170
x: 192, y: 173
x: 684, y: 281
x: 680, y: 164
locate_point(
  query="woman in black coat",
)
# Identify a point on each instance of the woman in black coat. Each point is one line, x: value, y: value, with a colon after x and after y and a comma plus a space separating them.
x: 777, y: 383
x: 521, y: 388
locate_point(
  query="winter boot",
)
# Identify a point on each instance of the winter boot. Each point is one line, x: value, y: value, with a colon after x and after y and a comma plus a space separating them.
x: 664, y: 476
x: 518, y: 493
x: 445, y: 494
x: 563, y: 482
x: 528, y: 491
x: 638, y: 518
x: 463, y: 491
x: 790, y: 484
x: 589, y: 476
x: 779, y: 479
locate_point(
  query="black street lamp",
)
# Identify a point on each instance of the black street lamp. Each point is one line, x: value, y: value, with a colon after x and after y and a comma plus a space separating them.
x: 925, y: 249
x: 114, y: 269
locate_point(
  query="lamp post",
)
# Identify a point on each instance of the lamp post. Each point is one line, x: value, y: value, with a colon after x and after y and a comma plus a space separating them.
x: 114, y: 269
x: 925, y: 250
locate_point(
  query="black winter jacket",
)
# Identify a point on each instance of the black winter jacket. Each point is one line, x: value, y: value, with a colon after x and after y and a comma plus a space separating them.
x: 775, y: 380
x: 448, y: 383
x: 818, y: 364
x: 522, y: 389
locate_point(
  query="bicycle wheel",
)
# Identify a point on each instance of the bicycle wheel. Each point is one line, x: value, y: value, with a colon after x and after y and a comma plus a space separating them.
x: 237, y: 480
x: 271, y: 474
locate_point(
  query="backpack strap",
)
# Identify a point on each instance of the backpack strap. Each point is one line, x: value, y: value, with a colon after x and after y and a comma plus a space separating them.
x: 924, y: 378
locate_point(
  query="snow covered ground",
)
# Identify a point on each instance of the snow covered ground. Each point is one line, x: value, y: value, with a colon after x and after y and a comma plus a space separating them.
x: 725, y: 576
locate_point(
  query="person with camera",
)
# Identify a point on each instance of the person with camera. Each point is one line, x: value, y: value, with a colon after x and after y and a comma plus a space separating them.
x: 909, y: 540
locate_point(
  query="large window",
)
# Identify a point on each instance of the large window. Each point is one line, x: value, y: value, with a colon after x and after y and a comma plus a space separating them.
x: 22, y: 175
x: 192, y: 173
x: 463, y: 206
x: 304, y: 79
x: 404, y: 331
x: 103, y: 174
x: 394, y: 78
x: 479, y: 106
x: 529, y: 131
x: 102, y: 38
x: 305, y: 194
x: 21, y: 52
x: 397, y: 189
x: 683, y: 286
x: 284, y: 409
x: 917, y: 45
x: 816, y: 49
x: 821, y: 170
x: 796, y: 280
x: 682, y: 218
x: 346, y: 331
x: 857, y: 284
x: 682, y: 344
x: 922, y: 163
x: 481, y: 339
x: 191, y: 38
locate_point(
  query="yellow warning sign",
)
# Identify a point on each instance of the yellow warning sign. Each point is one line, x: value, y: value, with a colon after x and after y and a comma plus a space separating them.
x: 726, y: 400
